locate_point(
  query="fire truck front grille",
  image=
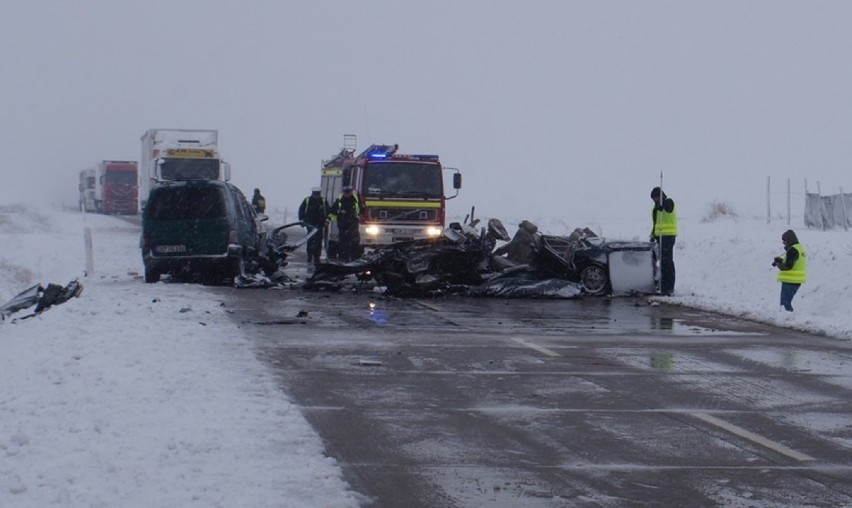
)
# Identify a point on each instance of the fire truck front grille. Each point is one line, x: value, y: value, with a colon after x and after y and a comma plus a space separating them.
x: 402, y: 215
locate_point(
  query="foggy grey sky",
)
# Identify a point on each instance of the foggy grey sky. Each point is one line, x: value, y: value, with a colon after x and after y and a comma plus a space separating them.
x: 549, y: 108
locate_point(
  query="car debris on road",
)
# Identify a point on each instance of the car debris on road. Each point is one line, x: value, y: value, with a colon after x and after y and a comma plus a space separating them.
x: 464, y: 261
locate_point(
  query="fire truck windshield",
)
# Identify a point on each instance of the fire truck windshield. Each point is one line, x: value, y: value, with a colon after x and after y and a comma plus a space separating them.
x: 403, y: 179
x: 175, y: 168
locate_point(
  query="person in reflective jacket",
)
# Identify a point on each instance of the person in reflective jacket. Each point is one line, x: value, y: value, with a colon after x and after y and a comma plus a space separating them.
x: 792, y: 266
x: 664, y: 217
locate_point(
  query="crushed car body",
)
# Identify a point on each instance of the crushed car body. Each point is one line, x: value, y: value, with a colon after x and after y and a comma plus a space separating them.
x: 464, y: 261
x: 265, y: 267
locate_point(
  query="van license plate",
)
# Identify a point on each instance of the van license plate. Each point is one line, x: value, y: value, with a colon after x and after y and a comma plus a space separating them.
x: 171, y: 249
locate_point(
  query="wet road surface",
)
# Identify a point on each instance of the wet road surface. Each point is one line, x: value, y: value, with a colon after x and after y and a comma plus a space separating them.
x: 595, y: 402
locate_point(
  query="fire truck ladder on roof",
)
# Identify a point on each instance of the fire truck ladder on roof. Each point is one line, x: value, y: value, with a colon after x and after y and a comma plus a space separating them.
x: 350, y: 142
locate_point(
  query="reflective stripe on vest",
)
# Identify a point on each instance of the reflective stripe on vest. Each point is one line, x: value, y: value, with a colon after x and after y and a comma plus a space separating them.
x: 665, y: 223
x: 798, y: 273
x: 357, y: 204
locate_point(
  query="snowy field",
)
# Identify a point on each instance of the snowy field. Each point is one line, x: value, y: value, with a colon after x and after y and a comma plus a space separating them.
x: 140, y: 395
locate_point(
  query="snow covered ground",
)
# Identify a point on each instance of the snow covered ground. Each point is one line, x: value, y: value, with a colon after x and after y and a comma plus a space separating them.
x: 137, y: 394
x: 144, y: 395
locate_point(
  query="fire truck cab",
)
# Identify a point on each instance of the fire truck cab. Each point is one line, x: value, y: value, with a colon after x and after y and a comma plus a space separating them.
x: 402, y: 196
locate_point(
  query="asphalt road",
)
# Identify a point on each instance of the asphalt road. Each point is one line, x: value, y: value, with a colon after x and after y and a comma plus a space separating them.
x: 594, y: 402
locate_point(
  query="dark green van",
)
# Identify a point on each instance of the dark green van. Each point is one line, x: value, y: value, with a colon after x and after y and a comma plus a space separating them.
x: 197, y: 227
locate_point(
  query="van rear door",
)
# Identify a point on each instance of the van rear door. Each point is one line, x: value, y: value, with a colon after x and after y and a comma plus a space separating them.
x: 188, y: 221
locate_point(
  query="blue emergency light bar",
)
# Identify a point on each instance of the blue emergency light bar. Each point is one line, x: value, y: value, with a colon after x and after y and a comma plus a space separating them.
x: 385, y: 155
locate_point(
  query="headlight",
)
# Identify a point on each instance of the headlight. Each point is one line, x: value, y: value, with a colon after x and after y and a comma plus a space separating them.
x: 372, y: 230
x: 433, y: 231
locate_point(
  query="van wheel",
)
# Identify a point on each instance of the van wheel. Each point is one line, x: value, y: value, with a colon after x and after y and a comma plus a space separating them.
x: 151, y: 275
x: 594, y: 280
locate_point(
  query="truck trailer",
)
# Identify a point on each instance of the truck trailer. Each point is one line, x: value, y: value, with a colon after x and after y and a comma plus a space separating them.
x: 179, y: 154
x: 86, y: 188
x: 402, y: 196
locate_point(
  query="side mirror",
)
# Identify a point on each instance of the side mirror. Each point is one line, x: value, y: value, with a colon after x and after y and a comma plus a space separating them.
x: 226, y: 171
x: 457, y: 181
x: 262, y: 217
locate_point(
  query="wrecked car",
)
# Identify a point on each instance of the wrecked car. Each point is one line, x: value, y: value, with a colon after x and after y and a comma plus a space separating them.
x: 433, y: 266
x: 463, y: 261
x: 265, y: 266
x: 601, y: 266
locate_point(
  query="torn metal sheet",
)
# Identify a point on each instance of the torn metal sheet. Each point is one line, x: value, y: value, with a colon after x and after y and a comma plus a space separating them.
x: 41, y: 297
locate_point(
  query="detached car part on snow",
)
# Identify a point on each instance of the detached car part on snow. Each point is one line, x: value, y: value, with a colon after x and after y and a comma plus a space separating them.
x: 42, y: 297
x: 463, y: 261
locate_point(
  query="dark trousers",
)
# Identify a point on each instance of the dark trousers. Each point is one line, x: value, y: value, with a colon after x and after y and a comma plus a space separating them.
x: 788, y: 291
x: 350, y: 240
x: 314, y: 245
x: 667, y: 265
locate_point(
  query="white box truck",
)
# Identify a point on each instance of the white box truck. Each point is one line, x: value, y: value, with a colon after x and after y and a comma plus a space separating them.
x: 179, y: 154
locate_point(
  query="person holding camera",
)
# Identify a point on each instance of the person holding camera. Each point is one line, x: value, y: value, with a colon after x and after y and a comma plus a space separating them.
x: 793, y: 267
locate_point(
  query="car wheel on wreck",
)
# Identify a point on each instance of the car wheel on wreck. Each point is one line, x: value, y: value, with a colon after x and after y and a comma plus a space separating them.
x: 594, y: 280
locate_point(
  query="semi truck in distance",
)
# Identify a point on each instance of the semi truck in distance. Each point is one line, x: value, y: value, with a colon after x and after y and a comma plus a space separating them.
x: 86, y: 188
x: 179, y: 155
x: 116, y: 187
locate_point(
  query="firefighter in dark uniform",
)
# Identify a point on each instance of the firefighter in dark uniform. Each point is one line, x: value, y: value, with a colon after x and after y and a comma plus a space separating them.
x: 313, y: 212
x: 346, y: 211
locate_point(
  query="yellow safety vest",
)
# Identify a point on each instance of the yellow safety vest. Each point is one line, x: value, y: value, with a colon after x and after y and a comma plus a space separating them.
x: 665, y: 223
x: 798, y: 273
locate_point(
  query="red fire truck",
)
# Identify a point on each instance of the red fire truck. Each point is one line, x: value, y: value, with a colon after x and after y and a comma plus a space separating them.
x: 116, y: 187
x: 402, y: 196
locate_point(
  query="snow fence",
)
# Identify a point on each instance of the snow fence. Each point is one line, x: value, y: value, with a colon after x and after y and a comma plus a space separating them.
x: 827, y: 212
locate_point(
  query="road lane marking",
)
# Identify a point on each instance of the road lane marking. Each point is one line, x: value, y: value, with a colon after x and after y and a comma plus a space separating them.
x: 540, y: 349
x: 751, y: 436
x: 428, y: 306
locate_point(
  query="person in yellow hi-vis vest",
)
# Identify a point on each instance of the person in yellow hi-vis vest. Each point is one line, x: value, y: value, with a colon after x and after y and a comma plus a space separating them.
x: 793, y: 266
x: 664, y: 217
